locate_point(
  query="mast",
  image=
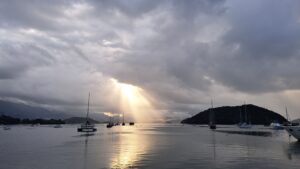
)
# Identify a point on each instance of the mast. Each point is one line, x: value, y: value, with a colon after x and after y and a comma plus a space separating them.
x: 212, y: 115
x: 241, y: 120
x: 123, y: 124
x: 245, y: 113
x: 249, y: 117
x: 212, y: 107
x: 287, y: 115
x: 88, y: 108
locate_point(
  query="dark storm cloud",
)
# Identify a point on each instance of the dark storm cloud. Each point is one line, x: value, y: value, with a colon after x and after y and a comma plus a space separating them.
x: 266, y: 35
x: 132, y: 8
x: 181, y: 52
x: 31, y: 13
x: 17, y: 58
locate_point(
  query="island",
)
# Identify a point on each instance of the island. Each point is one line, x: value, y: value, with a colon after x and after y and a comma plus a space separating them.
x: 229, y: 115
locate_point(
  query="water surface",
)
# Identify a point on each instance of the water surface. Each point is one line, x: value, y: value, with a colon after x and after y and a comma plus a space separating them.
x: 147, y: 146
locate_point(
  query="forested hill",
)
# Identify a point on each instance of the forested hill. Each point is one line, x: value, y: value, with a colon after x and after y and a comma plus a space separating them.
x: 235, y: 114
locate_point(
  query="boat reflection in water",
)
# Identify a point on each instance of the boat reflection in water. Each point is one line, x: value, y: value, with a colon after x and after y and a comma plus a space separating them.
x: 130, y: 147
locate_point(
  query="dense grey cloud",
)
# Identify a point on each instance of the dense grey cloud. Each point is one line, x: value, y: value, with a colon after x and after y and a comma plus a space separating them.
x: 182, y: 53
x: 266, y: 38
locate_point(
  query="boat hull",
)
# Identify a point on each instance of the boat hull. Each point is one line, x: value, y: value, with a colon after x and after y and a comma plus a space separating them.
x: 57, y: 126
x: 6, y: 128
x: 86, y: 129
x: 276, y: 126
x: 294, y: 131
x: 244, y: 126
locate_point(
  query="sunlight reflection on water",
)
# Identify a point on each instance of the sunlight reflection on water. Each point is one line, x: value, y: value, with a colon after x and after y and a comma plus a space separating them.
x: 128, y: 149
x: 147, y: 146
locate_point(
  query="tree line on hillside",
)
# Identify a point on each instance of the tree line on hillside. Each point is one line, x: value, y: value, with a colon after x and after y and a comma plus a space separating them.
x: 11, y: 120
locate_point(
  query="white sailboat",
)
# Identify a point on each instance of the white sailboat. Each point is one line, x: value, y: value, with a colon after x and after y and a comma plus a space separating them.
x: 276, y: 126
x: 244, y: 124
x: 212, y: 123
x: 87, y: 126
x: 292, y: 128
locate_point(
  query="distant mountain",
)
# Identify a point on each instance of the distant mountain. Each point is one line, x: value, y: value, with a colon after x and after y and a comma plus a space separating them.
x: 11, y: 120
x: 25, y: 111
x: 73, y: 120
x: 231, y: 115
x: 21, y: 110
x: 78, y: 120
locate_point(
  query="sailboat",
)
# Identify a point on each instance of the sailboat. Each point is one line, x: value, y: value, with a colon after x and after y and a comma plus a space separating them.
x: 212, y: 123
x: 245, y: 125
x: 276, y: 126
x: 57, y: 126
x: 123, y: 123
x: 87, y: 126
x: 110, y: 123
x: 292, y: 128
x: 6, y: 127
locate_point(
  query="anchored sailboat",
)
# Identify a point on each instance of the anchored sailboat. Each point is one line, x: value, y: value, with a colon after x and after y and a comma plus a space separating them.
x: 292, y: 128
x: 212, y: 123
x: 87, y: 126
x: 6, y: 127
x: 110, y: 124
x: 245, y: 124
x: 123, y: 123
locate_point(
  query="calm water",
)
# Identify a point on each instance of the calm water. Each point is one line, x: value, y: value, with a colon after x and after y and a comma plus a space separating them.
x: 146, y: 146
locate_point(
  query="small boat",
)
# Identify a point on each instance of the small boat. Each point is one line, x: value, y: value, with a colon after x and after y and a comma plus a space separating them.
x: 35, y: 124
x: 131, y: 123
x: 109, y: 125
x: 244, y: 125
x: 212, y: 127
x: 6, y: 128
x: 57, y: 126
x: 87, y: 126
x: 293, y: 129
x: 123, y: 123
x: 276, y: 126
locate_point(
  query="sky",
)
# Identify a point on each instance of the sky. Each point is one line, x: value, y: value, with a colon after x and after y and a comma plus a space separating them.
x: 158, y: 58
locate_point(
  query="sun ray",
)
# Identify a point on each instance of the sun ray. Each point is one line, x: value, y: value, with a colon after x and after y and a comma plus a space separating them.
x: 134, y: 101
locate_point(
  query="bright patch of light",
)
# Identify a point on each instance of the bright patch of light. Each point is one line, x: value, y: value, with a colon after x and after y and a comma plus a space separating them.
x: 134, y: 102
x: 131, y: 146
x: 109, y: 114
x: 106, y: 42
x: 77, y: 9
